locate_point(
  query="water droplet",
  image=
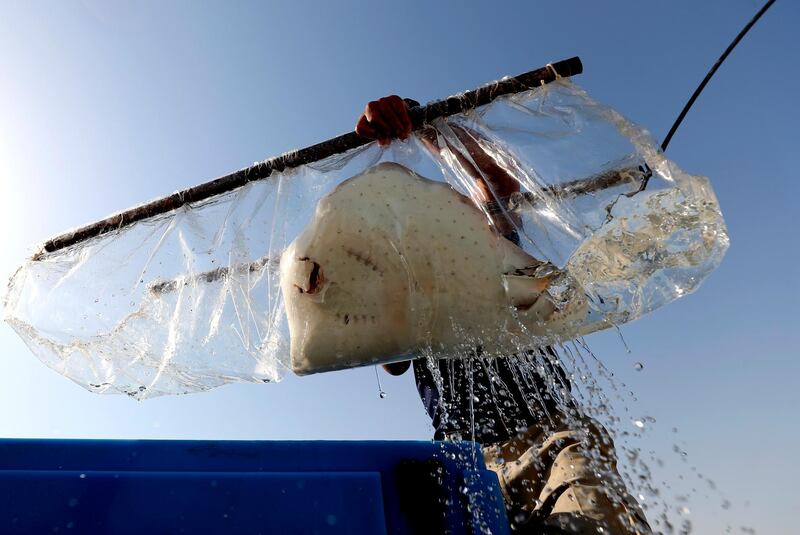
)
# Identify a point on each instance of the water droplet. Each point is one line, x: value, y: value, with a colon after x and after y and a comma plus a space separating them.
x: 639, y: 424
x: 622, y: 338
x: 381, y: 392
x: 638, y: 366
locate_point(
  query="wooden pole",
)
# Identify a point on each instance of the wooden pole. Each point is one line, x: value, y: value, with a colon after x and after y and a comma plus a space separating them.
x: 420, y: 116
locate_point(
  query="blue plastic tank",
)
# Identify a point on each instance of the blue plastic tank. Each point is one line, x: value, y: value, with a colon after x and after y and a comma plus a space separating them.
x: 252, y: 487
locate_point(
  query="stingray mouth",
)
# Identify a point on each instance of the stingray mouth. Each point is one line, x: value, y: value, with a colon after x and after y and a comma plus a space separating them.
x: 526, y: 289
x: 310, y: 278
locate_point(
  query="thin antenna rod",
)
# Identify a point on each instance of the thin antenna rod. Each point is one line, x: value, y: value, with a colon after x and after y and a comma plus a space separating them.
x: 702, y: 85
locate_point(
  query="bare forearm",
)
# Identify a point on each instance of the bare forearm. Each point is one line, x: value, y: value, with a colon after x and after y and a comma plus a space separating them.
x: 387, y: 118
x: 494, y: 184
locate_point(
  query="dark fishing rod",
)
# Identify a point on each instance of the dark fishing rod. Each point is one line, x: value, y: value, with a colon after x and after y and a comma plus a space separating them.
x: 703, y: 85
x: 711, y: 72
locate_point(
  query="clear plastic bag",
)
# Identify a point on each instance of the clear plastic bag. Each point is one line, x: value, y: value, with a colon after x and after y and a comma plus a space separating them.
x: 192, y: 299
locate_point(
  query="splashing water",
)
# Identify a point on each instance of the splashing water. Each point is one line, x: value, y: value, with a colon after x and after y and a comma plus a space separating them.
x: 585, y: 391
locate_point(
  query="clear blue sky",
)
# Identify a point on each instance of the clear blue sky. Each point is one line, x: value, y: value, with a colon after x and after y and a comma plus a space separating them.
x: 107, y: 104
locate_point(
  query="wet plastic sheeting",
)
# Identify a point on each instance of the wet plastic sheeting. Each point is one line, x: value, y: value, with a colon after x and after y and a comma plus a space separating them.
x: 192, y: 299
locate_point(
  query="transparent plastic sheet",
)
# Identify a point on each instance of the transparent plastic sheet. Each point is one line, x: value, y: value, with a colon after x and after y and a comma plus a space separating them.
x: 193, y: 299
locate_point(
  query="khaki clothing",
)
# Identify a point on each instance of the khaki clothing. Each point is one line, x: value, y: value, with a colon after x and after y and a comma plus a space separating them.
x: 565, y: 477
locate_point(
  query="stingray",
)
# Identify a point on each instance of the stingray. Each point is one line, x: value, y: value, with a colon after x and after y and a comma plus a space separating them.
x: 393, y: 264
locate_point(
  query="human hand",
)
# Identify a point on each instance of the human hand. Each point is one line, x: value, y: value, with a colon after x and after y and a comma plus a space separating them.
x: 385, y: 119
